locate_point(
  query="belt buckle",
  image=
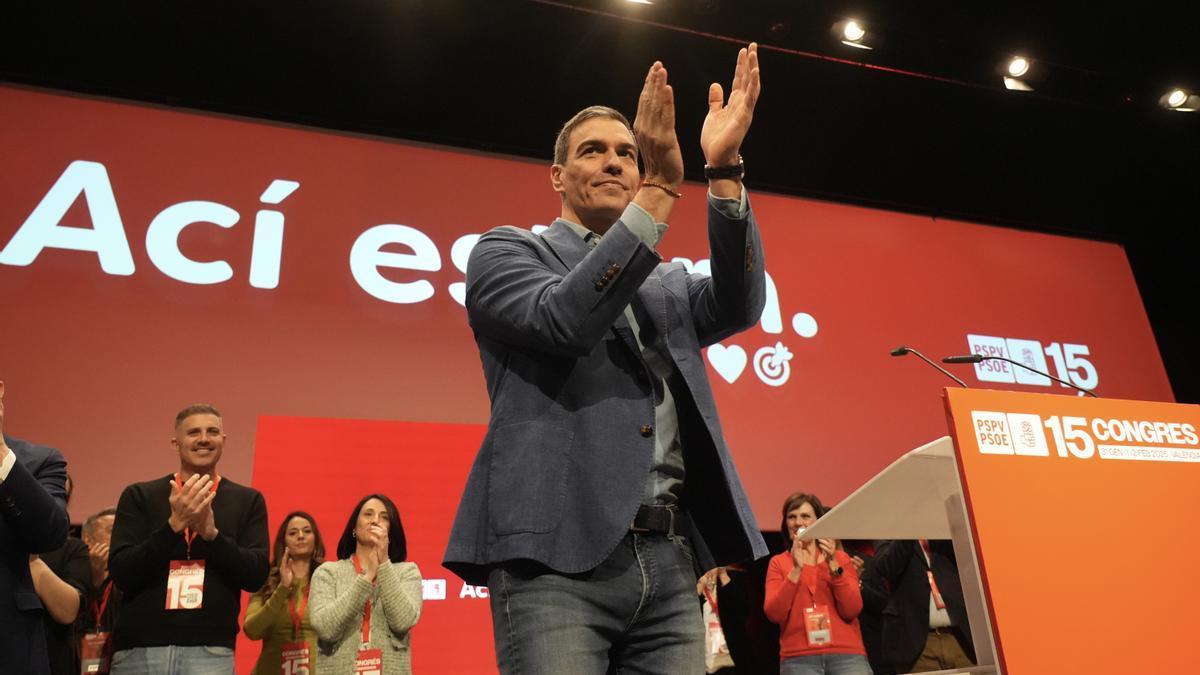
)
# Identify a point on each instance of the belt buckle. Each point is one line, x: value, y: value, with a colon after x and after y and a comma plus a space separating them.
x: 670, y: 527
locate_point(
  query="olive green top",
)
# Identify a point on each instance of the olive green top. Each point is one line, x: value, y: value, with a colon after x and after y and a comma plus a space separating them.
x: 268, y: 619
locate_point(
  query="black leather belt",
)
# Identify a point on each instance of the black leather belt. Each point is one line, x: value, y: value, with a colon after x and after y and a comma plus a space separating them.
x: 659, y: 520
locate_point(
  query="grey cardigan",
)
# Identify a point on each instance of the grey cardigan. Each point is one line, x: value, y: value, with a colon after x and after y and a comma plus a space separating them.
x: 336, y: 612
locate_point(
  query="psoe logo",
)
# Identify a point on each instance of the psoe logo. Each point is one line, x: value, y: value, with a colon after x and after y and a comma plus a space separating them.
x: 1069, y: 361
x: 999, y: 433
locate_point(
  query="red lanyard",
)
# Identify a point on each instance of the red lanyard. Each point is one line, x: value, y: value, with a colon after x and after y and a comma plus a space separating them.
x: 99, y: 609
x: 933, y: 587
x: 297, y: 615
x: 188, y: 535
x: 366, y: 627
x: 712, y: 601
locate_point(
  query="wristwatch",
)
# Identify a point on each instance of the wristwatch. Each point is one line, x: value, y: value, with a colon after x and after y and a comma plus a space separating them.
x: 735, y: 171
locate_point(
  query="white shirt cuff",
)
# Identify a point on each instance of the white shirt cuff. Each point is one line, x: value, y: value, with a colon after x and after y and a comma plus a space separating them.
x: 9, y: 460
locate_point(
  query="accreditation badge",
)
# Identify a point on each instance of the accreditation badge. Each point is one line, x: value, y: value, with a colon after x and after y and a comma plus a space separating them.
x: 816, y: 620
x: 95, y: 652
x: 368, y: 662
x: 293, y: 659
x: 185, y: 584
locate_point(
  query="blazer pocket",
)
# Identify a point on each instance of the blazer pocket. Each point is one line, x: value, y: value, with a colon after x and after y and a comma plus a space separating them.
x: 527, y: 483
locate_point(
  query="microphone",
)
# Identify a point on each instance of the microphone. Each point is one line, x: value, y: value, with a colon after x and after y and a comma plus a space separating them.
x: 979, y: 358
x: 902, y: 350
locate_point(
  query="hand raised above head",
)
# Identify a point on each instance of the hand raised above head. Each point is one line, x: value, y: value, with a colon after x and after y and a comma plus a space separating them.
x: 654, y: 128
x: 727, y: 122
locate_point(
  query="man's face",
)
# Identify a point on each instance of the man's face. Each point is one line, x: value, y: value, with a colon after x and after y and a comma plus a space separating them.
x: 199, y: 439
x: 101, y: 531
x: 600, y: 175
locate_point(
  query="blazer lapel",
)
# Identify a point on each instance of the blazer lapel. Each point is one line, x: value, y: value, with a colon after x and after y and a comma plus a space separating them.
x: 566, y: 244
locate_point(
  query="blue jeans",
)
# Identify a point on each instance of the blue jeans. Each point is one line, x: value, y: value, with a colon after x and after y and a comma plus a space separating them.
x: 825, y: 664
x: 636, y: 612
x: 173, y: 660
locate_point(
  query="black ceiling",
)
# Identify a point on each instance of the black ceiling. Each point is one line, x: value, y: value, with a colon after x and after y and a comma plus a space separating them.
x: 1088, y: 152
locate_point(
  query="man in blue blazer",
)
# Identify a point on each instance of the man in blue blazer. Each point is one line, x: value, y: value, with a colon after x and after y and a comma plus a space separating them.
x: 33, y: 519
x: 604, y: 474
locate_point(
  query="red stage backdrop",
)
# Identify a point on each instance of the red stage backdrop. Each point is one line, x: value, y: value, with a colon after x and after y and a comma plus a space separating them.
x: 303, y: 281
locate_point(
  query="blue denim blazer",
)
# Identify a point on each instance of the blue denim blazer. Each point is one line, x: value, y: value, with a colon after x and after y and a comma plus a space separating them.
x: 562, y: 470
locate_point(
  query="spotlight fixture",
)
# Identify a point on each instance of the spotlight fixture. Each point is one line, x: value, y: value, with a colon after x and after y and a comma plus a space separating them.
x: 1180, y: 100
x: 851, y: 33
x: 1018, y: 66
x: 641, y: 2
x: 1014, y: 72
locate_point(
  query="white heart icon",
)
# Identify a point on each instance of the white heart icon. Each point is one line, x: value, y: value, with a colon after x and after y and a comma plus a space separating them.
x: 729, y: 362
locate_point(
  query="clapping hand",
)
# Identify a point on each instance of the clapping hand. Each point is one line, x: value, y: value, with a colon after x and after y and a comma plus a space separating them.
x: 286, y: 575
x: 727, y: 122
x: 98, y: 555
x: 381, y: 546
x: 654, y: 129
x: 191, y: 505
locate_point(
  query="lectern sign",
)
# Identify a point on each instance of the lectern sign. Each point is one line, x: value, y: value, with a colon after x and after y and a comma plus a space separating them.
x: 1081, y: 510
x: 1000, y: 433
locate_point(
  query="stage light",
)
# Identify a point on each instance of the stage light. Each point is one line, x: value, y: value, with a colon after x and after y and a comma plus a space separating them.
x: 1018, y: 66
x: 851, y: 33
x: 1014, y: 72
x: 640, y: 2
x: 1180, y: 100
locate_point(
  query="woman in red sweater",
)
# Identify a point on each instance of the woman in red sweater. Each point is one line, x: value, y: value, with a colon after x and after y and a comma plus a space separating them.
x: 812, y: 593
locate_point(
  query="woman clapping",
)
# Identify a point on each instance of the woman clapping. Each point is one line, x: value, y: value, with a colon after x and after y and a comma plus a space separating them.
x: 277, y: 614
x: 365, y: 604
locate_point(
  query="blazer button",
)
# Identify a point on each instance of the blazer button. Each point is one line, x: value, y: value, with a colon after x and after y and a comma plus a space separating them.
x: 601, y: 284
x: 646, y: 431
x: 613, y: 269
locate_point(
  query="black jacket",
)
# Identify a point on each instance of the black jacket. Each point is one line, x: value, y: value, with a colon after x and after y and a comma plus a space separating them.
x: 906, y: 616
x: 33, y: 519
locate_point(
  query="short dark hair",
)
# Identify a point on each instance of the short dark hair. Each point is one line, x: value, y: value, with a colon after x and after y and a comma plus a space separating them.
x: 397, y: 545
x: 196, y: 409
x: 795, y: 501
x: 589, y: 113
x: 90, y: 522
x: 318, y: 554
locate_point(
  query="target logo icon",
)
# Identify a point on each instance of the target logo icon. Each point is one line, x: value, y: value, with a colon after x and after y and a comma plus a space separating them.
x: 772, y: 364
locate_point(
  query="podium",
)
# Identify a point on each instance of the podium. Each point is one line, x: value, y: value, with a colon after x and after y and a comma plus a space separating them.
x: 1070, y: 519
